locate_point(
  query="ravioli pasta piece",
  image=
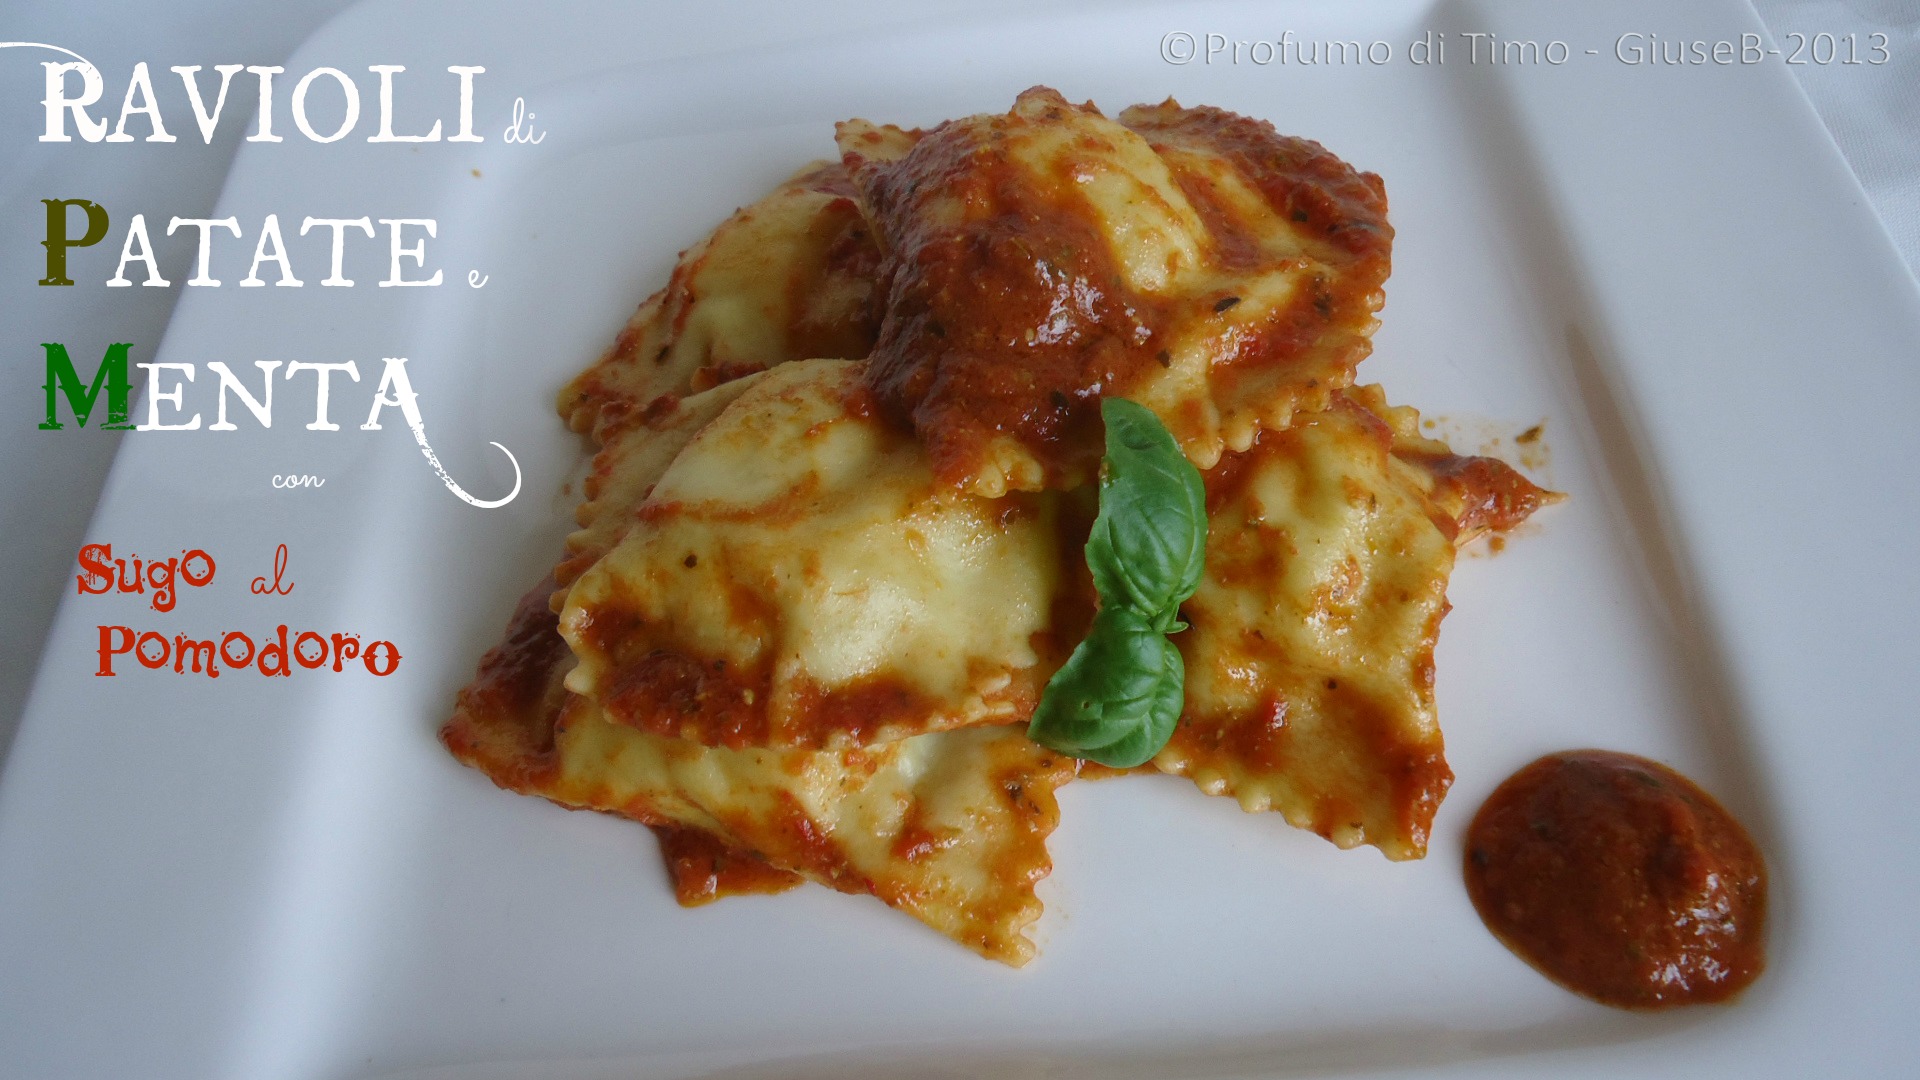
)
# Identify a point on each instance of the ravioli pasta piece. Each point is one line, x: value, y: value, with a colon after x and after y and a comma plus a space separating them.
x: 812, y: 598
x: 949, y: 827
x: 504, y: 724
x: 626, y: 468
x: 1473, y: 495
x: 798, y: 579
x: 503, y: 721
x: 788, y: 278
x: 1191, y: 260
x: 1310, y: 656
x: 1298, y: 224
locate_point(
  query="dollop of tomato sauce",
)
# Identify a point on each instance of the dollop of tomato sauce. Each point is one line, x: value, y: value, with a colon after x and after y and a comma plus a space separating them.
x: 1620, y: 879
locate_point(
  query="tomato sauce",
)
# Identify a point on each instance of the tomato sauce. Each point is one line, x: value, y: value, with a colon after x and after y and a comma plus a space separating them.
x: 506, y: 719
x: 705, y: 868
x: 1621, y: 880
x: 1480, y: 493
x: 1007, y: 314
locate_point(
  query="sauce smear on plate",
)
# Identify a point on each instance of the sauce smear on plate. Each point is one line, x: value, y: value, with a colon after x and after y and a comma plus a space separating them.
x: 1621, y: 880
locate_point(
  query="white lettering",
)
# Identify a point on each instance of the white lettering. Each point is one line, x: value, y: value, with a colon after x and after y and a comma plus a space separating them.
x: 176, y: 397
x: 339, y: 227
x: 322, y: 374
x: 270, y: 231
x: 385, y: 134
x: 418, y: 252
x: 466, y: 75
x: 57, y: 102
x: 347, y: 88
x: 394, y: 378
x: 207, y: 121
x: 262, y: 410
x: 137, y: 232
x: 141, y: 83
x: 265, y: 74
x: 205, y: 225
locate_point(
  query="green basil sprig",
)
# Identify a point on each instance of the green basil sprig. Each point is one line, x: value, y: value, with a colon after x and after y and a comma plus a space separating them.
x: 1118, y: 697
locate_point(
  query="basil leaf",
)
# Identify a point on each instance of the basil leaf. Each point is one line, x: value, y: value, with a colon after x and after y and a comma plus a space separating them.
x: 1118, y: 697
x: 1148, y: 544
x: 1152, y: 730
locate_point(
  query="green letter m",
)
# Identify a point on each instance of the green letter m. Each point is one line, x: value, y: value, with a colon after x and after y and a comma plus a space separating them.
x: 61, y: 378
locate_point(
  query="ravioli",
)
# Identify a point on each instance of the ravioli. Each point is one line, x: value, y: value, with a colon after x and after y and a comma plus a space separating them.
x: 830, y: 547
x: 1189, y: 259
x: 1473, y: 495
x: 949, y: 827
x: 1309, y: 660
x: 797, y: 579
x: 788, y: 278
x: 626, y: 468
x: 504, y: 726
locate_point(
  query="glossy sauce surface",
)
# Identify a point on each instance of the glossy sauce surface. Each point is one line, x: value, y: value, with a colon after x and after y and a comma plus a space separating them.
x: 1193, y: 260
x: 705, y: 868
x: 1621, y: 880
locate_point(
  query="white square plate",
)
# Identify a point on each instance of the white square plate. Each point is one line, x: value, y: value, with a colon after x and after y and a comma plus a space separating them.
x: 1668, y: 265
